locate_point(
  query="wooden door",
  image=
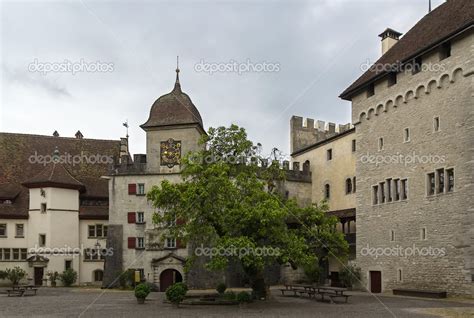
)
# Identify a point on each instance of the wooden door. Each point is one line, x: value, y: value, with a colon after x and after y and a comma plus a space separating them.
x: 375, y: 281
x: 169, y: 277
x: 39, y: 271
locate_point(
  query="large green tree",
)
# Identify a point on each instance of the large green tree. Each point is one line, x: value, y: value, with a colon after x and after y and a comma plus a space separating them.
x: 229, y: 202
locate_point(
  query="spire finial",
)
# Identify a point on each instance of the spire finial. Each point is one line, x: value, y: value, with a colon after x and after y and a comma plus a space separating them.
x: 177, y: 69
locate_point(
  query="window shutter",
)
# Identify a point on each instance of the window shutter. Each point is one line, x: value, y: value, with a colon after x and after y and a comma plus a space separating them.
x: 131, y: 216
x: 132, y: 188
x: 132, y: 242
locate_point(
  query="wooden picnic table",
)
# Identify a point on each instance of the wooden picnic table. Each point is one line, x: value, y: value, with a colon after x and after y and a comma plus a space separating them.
x: 22, y: 290
x: 313, y: 290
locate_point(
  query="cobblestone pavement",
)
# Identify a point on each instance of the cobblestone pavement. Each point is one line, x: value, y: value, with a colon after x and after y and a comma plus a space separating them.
x: 75, y: 302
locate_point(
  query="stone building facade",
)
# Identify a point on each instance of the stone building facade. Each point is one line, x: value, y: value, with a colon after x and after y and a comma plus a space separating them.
x: 415, y: 150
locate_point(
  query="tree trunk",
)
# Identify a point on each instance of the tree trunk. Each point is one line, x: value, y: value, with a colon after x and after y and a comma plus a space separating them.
x: 258, y: 286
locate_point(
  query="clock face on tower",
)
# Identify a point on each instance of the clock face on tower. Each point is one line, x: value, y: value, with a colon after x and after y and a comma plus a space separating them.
x: 170, y: 152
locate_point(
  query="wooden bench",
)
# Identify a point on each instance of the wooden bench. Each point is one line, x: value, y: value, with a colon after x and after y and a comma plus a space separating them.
x: 420, y: 293
x: 306, y: 291
x: 15, y: 292
x: 332, y: 297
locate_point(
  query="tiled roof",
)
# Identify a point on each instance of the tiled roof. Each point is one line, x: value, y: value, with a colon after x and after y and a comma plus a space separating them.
x: 440, y: 24
x: 21, y: 161
x: 174, y: 108
x: 54, y: 175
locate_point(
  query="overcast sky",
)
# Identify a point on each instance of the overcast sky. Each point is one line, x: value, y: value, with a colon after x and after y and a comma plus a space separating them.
x: 314, y: 50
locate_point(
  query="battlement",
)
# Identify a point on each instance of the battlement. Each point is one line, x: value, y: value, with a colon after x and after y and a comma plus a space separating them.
x: 307, y: 131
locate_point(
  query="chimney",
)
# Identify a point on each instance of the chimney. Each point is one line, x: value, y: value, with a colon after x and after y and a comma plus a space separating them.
x: 79, y: 135
x: 389, y: 38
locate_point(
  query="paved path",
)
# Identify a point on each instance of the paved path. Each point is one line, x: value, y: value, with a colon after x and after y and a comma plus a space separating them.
x: 74, y: 302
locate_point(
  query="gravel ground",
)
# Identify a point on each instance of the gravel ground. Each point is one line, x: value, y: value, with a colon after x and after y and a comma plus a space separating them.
x: 80, y: 302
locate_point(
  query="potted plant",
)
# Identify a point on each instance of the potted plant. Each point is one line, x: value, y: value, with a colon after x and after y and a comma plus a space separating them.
x: 176, y: 293
x: 221, y: 287
x: 141, y: 292
x: 53, y: 277
x: 15, y: 275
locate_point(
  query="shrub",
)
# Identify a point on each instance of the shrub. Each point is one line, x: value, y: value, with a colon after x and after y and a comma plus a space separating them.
x: 176, y: 293
x: 229, y: 295
x: 349, y: 275
x: 312, y: 273
x: 15, y: 274
x: 221, y: 287
x: 3, y: 274
x: 53, y: 277
x: 244, y: 297
x: 68, y: 277
x: 142, y: 291
x: 126, y: 278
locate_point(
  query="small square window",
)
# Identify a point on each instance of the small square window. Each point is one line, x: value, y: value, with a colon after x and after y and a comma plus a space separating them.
x: 329, y: 154
x: 20, y: 230
x: 67, y: 264
x: 370, y: 90
x: 3, y: 230
x: 91, y: 231
x: 375, y: 194
x: 431, y: 183
x: 42, y: 240
x: 140, y: 242
x: 353, y: 145
x: 406, y: 134
x: 381, y: 143
x: 392, y: 79
x: 417, y: 65
x: 436, y: 124
x: 170, y: 243
x: 450, y: 180
x: 43, y: 207
x: 140, y: 189
x: 445, y: 51
x: 140, y: 217
x: 423, y: 233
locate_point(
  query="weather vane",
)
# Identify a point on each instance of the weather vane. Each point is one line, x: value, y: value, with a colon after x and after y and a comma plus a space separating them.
x: 125, y: 124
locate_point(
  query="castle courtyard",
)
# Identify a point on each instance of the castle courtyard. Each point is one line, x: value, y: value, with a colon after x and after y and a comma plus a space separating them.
x: 83, y: 302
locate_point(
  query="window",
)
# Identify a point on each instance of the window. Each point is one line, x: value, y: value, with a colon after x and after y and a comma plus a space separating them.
x: 97, y: 230
x: 392, y: 235
x: 329, y: 154
x: 16, y: 254
x: 98, y: 275
x: 370, y: 90
x: 353, y: 145
x: 20, y: 230
x: 406, y: 134
x: 170, y: 243
x: 140, y: 242
x: 375, y: 194
x: 42, y: 240
x: 327, y: 191
x: 400, y: 277
x: 440, y: 176
x: 141, y: 189
x: 382, y: 192
x: 396, y: 185
x: 404, y: 190
x: 423, y: 233
x: 91, y: 231
x: 431, y: 183
x: 6, y: 254
x: 140, y: 217
x: 450, y: 182
x: 132, y: 188
x: 380, y: 143
x: 389, y: 190
x: 23, y: 254
x: 94, y: 254
x: 392, y: 79
x: 43, y: 207
x: 67, y: 264
x: 436, y: 124
x: 417, y: 64
x: 3, y: 230
x: 105, y: 230
x: 445, y: 51
x: 348, y: 186
x: 354, y: 184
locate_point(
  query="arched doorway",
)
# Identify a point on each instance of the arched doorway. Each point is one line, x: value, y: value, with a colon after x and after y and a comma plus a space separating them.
x: 168, y: 277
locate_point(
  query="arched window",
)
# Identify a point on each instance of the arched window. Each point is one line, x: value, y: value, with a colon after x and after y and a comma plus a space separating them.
x: 98, y: 275
x: 348, y: 185
x: 327, y: 191
x: 306, y: 165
